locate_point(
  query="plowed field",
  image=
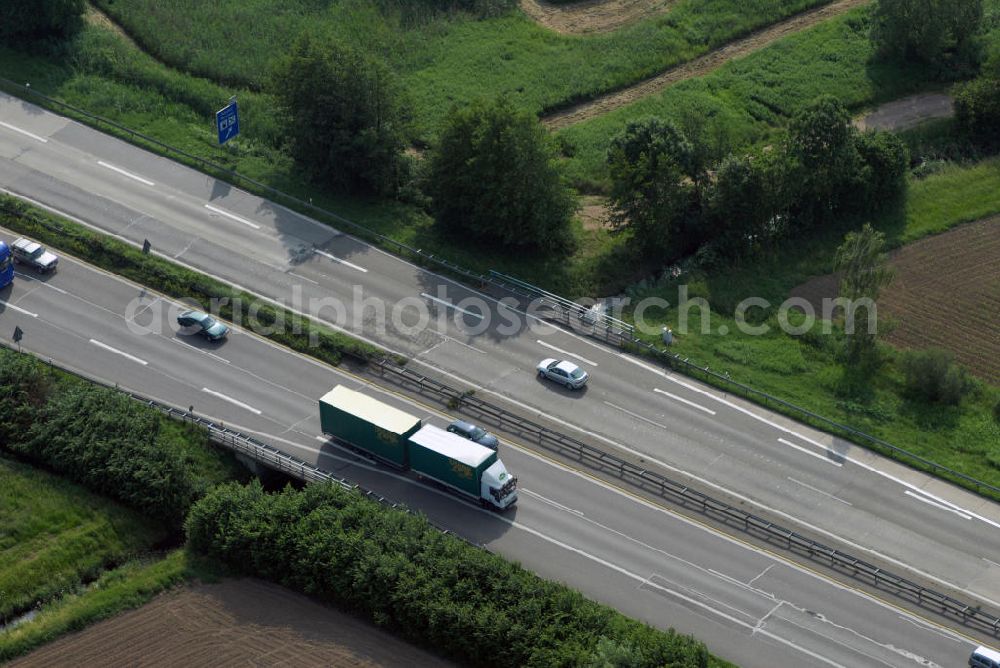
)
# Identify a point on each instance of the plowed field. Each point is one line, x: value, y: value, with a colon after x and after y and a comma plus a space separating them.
x: 234, y: 623
x: 946, y: 294
x: 592, y: 16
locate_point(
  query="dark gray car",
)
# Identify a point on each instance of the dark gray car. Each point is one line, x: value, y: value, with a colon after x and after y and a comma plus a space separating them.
x: 474, y: 433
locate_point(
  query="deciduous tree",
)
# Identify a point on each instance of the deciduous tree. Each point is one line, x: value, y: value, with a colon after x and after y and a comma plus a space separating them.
x: 938, y: 32
x: 493, y: 175
x: 862, y: 261
x: 29, y: 22
x: 653, y: 174
x: 344, y: 116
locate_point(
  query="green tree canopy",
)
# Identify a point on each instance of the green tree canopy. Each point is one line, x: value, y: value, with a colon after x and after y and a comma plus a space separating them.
x: 653, y: 170
x: 493, y: 175
x: 862, y: 262
x: 28, y: 22
x: 344, y: 116
x: 939, y: 32
x: 826, y: 161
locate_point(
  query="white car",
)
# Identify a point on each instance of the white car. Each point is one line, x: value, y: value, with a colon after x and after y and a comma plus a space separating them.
x: 33, y: 254
x: 563, y: 372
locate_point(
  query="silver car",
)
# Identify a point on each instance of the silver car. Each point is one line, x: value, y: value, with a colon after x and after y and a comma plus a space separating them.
x: 33, y: 254
x: 563, y: 372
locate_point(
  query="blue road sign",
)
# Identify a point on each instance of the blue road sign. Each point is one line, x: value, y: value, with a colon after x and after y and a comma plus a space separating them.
x: 227, y: 120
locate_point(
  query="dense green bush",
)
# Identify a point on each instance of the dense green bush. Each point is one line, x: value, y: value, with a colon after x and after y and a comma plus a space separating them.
x: 977, y: 111
x: 493, y: 176
x: 433, y: 589
x: 932, y: 376
x: 104, y: 440
x: 344, y: 115
x: 34, y: 22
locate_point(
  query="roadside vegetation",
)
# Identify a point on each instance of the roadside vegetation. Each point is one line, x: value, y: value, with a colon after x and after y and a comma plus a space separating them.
x: 431, y: 588
x: 57, y: 535
x: 74, y: 557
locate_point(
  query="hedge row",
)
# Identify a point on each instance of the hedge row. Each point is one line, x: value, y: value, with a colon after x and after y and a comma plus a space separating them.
x: 178, y: 282
x: 105, y: 441
x: 398, y: 571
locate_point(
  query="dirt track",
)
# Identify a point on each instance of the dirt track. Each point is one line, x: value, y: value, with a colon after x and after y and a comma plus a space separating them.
x: 907, y: 112
x: 234, y: 623
x: 592, y: 16
x: 699, y: 66
x: 946, y: 294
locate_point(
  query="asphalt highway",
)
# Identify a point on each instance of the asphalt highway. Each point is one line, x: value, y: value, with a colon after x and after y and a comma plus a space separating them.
x: 753, y: 607
x: 836, y: 492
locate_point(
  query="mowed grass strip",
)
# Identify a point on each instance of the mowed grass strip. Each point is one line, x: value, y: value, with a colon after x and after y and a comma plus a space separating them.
x: 55, y: 535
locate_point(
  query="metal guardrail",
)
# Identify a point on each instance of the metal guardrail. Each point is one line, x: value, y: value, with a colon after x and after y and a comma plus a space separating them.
x: 590, y: 321
x: 685, y: 496
x: 622, y: 338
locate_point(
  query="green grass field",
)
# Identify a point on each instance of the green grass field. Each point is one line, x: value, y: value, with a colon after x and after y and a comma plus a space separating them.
x: 55, y: 535
x: 442, y: 58
x: 127, y: 586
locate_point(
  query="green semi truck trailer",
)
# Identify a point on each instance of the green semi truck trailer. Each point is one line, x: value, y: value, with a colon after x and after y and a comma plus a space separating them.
x: 403, y: 441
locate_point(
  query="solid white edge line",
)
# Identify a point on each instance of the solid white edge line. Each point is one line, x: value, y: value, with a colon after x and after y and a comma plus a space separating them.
x: 684, y: 401
x: 232, y: 216
x: 809, y: 452
x: 565, y: 352
x: 450, y: 305
x: 930, y: 502
x: 342, y: 261
x: 105, y: 346
x: 125, y: 173
x: 24, y: 132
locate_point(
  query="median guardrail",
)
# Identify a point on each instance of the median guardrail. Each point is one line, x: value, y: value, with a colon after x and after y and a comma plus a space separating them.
x: 567, y: 446
x: 683, y: 495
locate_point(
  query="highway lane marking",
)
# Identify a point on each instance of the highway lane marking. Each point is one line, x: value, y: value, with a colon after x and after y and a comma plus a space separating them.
x: 930, y: 502
x: 341, y: 261
x: 18, y: 309
x: 760, y: 575
x: 125, y: 173
x: 450, y: 305
x: 721, y: 488
x: 810, y: 452
x: 556, y: 504
x: 600, y: 560
x: 40, y: 281
x: 105, y: 346
x: 25, y: 132
x: 232, y: 216
x: 188, y: 346
x: 235, y: 402
x: 684, y: 401
x: 637, y: 416
x: 301, y: 277
x: 993, y: 563
x: 525, y: 406
x: 454, y: 340
x: 906, y: 614
x: 819, y: 491
x: 565, y: 352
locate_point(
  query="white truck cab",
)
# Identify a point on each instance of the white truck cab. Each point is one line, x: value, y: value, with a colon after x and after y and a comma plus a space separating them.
x: 498, y: 487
